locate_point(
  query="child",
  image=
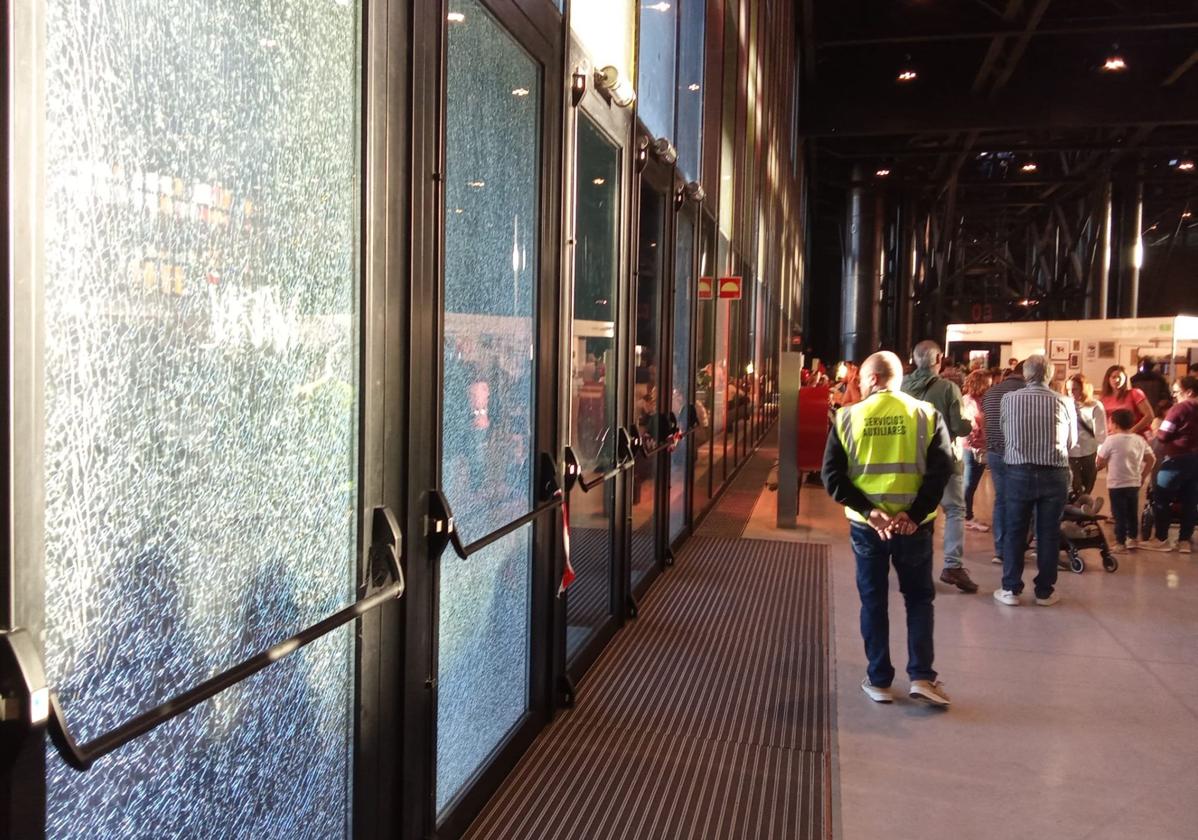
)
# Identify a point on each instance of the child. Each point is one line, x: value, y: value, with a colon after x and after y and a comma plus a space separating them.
x: 1129, y: 462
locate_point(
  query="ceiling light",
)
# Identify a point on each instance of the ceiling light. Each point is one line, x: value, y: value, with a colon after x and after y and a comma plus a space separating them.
x: 455, y: 17
x: 520, y: 92
x: 1114, y: 64
x: 599, y: 182
x: 1030, y: 166
x: 908, y: 76
x: 659, y: 7
x: 1186, y: 214
x: 1185, y: 165
x: 692, y: 87
x: 478, y: 185
x: 882, y: 173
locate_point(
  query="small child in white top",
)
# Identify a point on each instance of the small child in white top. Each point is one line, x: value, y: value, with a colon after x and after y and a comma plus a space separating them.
x: 1128, y: 461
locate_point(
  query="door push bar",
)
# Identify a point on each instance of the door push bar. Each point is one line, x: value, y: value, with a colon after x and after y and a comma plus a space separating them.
x: 443, y: 531
x: 665, y: 443
x: 574, y: 468
x: 44, y: 707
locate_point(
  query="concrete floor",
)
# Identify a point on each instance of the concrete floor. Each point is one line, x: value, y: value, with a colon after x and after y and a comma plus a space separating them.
x: 1075, y: 721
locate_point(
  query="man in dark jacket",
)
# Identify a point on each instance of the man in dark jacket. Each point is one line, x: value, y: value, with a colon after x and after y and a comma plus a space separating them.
x: 1154, y: 386
x: 945, y: 397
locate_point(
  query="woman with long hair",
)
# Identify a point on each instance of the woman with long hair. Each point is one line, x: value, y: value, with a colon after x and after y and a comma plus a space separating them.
x: 974, y: 444
x: 1091, y: 431
x: 1117, y: 393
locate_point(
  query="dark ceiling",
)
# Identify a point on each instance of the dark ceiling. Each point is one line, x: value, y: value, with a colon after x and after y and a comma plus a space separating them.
x: 1011, y: 117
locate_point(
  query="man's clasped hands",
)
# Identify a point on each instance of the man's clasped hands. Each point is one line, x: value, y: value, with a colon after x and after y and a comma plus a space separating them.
x: 887, y: 525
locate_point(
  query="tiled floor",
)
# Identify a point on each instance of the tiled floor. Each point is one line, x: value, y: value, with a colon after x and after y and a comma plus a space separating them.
x: 1078, y: 721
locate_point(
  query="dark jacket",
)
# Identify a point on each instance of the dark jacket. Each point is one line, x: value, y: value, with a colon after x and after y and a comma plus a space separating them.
x: 938, y: 470
x: 943, y: 395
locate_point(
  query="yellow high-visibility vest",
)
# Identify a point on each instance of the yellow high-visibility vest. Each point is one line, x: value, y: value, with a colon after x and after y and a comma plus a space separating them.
x: 886, y: 438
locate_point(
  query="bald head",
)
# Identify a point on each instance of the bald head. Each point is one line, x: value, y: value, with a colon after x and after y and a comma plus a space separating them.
x: 881, y: 370
x: 926, y: 355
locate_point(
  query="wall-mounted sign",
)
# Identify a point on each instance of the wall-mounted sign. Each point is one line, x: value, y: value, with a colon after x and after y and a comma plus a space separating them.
x: 706, y: 288
x: 730, y: 288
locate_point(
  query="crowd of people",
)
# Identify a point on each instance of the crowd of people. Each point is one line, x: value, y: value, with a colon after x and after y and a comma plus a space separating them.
x: 906, y: 443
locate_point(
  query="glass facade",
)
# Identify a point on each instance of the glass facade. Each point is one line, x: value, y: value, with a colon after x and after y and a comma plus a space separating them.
x: 492, y: 224
x: 680, y: 373
x: 200, y: 370
x: 656, y: 67
x: 688, y: 135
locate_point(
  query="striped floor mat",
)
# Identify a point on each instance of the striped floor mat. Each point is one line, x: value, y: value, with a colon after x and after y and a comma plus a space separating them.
x: 708, y: 717
x: 735, y: 507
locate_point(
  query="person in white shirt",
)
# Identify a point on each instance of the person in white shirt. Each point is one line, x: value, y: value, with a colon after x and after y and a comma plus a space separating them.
x: 1129, y: 461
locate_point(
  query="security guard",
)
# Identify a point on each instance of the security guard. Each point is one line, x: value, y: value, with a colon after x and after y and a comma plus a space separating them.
x: 887, y: 461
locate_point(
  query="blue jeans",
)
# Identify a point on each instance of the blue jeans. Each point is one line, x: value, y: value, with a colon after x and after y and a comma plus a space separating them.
x: 1125, y: 507
x: 974, y: 469
x: 912, y: 558
x: 1176, y: 480
x: 953, y: 505
x: 1040, y: 490
x: 998, y: 475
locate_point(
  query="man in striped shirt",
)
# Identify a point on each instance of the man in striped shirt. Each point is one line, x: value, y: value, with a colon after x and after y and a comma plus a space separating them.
x: 1039, y: 427
x: 991, y: 404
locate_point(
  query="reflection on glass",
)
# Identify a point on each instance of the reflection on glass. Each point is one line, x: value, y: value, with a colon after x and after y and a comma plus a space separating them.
x: 656, y: 71
x: 684, y: 282
x: 593, y: 369
x: 607, y: 29
x: 688, y: 136
x: 646, y: 406
x: 720, y: 378
x: 200, y: 412
x: 705, y: 373
x: 493, y: 103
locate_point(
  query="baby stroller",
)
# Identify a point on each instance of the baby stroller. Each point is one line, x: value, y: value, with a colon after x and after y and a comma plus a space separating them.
x: 1081, y: 528
x: 1148, y: 515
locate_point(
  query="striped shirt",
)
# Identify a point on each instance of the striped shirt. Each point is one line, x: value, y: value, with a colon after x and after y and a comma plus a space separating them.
x: 991, y: 402
x: 1039, y: 427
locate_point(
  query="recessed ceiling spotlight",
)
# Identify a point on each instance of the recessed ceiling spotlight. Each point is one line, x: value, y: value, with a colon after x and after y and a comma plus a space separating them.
x: 520, y: 92
x: 882, y: 173
x: 907, y: 75
x: 1114, y: 64
x: 1185, y: 165
x: 692, y: 87
x: 455, y: 17
x: 599, y: 182
x: 1030, y: 166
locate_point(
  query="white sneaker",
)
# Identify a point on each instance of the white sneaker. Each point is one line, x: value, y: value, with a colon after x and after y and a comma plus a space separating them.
x: 1185, y: 547
x: 877, y: 693
x: 1006, y: 596
x: 1132, y: 544
x: 1054, y: 598
x: 997, y: 561
x: 1120, y: 548
x: 929, y: 692
x: 1157, y: 545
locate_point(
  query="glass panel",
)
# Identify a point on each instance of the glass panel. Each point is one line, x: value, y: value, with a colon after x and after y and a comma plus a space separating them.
x: 607, y: 29
x: 705, y: 373
x: 200, y: 369
x: 689, y: 135
x: 493, y: 105
x: 684, y: 282
x: 593, y: 369
x: 646, y: 405
x: 720, y: 378
x: 656, y: 71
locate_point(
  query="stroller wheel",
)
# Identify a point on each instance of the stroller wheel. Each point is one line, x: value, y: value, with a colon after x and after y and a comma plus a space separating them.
x: 1076, y: 564
x: 1109, y: 562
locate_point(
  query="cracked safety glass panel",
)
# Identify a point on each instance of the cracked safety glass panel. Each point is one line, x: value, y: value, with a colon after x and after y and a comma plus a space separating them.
x: 199, y: 370
x: 492, y: 219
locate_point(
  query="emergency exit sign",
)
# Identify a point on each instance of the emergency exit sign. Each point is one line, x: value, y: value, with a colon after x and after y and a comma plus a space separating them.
x: 730, y: 288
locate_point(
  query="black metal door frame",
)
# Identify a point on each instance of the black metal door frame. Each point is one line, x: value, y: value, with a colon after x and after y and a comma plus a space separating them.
x: 382, y: 39
x: 617, y: 123
x: 538, y: 27
x: 685, y: 205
